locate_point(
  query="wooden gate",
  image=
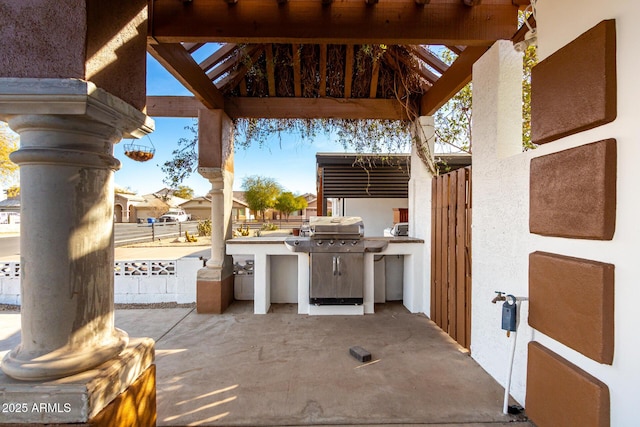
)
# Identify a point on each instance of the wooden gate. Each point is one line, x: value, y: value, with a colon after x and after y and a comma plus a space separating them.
x: 451, y: 254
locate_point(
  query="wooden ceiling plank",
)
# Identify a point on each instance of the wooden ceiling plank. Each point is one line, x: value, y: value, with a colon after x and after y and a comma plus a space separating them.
x: 314, y: 108
x: 271, y: 70
x: 221, y: 54
x: 375, y: 73
x: 458, y: 75
x: 243, y: 87
x: 447, y: 22
x: 175, y: 58
x: 297, y: 76
x: 427, y: 56
x: 322, y: 91
x: 348, y: 71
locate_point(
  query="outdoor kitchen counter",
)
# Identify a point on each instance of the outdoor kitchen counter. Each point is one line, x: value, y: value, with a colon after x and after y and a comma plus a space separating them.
x: 261, y: 248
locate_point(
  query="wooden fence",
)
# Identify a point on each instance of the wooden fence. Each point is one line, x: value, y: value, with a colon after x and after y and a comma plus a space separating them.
x: 451, y: 254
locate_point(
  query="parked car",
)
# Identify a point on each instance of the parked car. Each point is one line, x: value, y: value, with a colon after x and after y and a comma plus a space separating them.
x: 175, y: 215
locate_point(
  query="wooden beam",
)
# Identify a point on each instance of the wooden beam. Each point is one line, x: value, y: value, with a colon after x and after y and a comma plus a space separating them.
x: 323, y: 70
x: 315, y: 108
x: 348, y: 71
x: 458, y: 75
x: 271, y: 70
x: 297, y: 77
x: 275, y: 108
x: 375, y: 73
x: 221, y: 54
x: 423, y: 2
x: 428, y: 57
x: 175, y: 58
x: 472, y: 2
x: 192, y: 47
x: 447, y: 22
x: 417, y: 67
x: 173, y: 106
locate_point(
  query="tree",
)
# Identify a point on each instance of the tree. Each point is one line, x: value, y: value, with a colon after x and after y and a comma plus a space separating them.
x: 8, y: 144
x: 261, y: 193
x: 287, y: 203
x: 183, y: 192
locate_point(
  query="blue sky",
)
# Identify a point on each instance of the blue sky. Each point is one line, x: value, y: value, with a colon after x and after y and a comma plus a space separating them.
x: 289, y: 161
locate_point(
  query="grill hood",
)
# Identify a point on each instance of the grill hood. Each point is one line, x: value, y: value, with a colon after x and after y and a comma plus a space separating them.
x: 336, y: 227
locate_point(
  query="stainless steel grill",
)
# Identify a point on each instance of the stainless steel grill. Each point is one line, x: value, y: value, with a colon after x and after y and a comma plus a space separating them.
x: 337, y: 248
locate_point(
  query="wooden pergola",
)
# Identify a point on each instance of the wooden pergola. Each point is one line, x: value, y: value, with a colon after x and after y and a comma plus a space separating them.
x: 355, y: 59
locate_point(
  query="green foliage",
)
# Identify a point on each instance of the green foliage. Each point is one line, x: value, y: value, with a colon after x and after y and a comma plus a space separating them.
x: 183, y: 192
x: 530, y: 60
x: 267, y: 226
x: 204, y: 227
x: 185, y: 159
x: 287, y: 203
x: 260, y: 192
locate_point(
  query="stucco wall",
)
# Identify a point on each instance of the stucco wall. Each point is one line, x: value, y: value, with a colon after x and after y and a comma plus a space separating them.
x: 377, y: 214
x: 102, y: 42
x: 501, y: 238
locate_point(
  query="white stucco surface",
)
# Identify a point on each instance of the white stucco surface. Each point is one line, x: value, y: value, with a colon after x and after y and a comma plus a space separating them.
x: 376, y: 213
x: 501, y: 239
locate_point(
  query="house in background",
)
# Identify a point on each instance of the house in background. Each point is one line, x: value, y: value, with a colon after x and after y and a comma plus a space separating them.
x: 10, y: 210
x: 134, y: 208
x: 200, y: 207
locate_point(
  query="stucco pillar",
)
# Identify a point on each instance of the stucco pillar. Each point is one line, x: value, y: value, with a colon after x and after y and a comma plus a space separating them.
x: 420, y: 201
x: 215, y: 163
x: 67, y: 130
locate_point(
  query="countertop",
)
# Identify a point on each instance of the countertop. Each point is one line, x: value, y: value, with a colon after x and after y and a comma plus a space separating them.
x: 280, y: 239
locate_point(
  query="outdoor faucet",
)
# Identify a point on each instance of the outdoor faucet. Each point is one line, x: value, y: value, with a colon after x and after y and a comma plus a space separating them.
x: 499, y: 297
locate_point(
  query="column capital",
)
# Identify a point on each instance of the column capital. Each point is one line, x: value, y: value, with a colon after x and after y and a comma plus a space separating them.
x: 71, y: 97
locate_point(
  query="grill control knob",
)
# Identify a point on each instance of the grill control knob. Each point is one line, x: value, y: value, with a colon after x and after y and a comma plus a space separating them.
x: 319, y: 242
x: 296, y: 243
x: 354, y: 242
x: 330, y: 242
x: 341, y: 242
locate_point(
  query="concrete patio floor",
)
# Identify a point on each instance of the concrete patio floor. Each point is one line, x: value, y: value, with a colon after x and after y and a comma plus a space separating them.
x: 285, y: 369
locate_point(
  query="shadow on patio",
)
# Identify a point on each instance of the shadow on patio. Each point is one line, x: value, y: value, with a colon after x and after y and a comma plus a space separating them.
x: 288, y: 369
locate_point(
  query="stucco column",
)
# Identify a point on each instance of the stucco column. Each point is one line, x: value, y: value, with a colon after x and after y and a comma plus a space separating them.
x: 67, y: 130
x: 215, y: 163
x: 420, y: 203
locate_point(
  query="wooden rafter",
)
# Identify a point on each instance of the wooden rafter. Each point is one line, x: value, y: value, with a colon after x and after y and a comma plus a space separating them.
x: 375, y: 73
x: 297, y: 77
x: 177, y: 60
x: 458, y: 75
x: 234, y: 77
x: 428, y: 57
x: 423, y: 71
x: 271, y: 70
x: 447, y: 22
x: 323, y: 70
x: 219, y: 55
x: 348, y: 71
x: 192, y: 47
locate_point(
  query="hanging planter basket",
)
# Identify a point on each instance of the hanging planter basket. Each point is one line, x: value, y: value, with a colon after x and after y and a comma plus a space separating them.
x: 139, y: 152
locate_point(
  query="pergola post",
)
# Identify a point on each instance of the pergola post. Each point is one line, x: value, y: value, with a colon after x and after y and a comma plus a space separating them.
x: 215, y: 163
x: 420, y: 198
x: 72, y: 84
